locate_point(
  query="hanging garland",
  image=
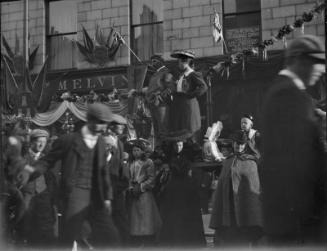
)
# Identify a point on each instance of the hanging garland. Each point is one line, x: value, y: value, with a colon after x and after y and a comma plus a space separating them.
x: 261, y: 48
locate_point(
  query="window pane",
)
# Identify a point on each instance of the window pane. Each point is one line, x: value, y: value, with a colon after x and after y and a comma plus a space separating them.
x: 146, y: 11
x: 242, y: 31
x: 234, y: 6
x: 62, y: 16
x: 148, y: 39
x: 63, y: 53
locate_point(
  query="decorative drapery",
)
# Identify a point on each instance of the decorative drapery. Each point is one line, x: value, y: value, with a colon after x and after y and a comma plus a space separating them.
x: 78, y: 109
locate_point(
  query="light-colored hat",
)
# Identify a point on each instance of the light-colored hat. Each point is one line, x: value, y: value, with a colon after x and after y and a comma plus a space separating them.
x: 183, y: 54
x: 36, y: 133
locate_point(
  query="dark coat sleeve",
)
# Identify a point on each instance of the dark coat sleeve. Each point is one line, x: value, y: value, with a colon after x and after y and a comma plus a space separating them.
x: 199, y: 87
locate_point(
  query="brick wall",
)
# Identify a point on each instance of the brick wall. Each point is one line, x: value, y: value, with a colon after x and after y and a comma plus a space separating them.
x: 105, y: 13
x: 12, y: 16
x: 90, y: 12
x: 277, y: 13
x: 188, y: 25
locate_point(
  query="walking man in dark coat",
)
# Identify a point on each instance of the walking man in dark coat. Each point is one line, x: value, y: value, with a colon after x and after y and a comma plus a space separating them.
x: 293, y: 176
x: 86, y: 186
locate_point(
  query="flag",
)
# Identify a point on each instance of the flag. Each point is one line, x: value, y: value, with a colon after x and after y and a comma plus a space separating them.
x: 39, y: 83
x: 217, y: 30
x: 10, y: 87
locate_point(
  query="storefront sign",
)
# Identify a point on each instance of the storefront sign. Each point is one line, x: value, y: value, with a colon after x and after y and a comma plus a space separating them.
x: 243, y: 38
x: 106, y: 82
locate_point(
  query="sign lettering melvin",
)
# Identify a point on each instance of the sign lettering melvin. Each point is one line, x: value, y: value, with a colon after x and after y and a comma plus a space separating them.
x: 242, y: 38
x: 107, y: 82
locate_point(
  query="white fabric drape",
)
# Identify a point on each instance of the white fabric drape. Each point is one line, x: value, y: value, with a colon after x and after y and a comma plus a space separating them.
x: 78, y: 109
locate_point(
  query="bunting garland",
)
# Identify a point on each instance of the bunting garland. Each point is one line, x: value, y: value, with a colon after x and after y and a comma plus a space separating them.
x: 260, y: 49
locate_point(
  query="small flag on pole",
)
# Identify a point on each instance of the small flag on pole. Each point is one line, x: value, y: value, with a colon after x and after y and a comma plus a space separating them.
x: 217, y: 30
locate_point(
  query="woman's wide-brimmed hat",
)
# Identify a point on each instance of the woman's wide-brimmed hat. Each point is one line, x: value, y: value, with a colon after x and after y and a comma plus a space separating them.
x: 183, y: 54
x: 143, y: 144
x: 239, y: 137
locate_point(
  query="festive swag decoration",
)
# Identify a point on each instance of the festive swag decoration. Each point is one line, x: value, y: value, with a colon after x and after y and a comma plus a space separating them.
x: 101, y: 49
x: 260, y: 49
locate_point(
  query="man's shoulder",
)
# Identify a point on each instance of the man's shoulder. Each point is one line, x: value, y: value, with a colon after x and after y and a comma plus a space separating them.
x: 281, y: 84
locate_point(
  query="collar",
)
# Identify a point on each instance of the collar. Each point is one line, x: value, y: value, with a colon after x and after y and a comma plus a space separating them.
x: 162, y: 67
x: 188, y: 72
x: 252, y: 133
x: 89, y: 139
x: 295, y: 78
x: 86, y: 133
x: 34, y: 154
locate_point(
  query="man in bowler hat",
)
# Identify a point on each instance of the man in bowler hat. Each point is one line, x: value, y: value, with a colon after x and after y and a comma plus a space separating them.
x: 86, y: 187
x: 293, y: 170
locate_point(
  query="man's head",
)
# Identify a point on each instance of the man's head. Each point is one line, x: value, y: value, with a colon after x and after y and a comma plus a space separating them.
x: 157, y: 61
x: 38, y: 140
x: 178, y: 146
x: 305, y: 56
x: 246, y: 122
x: 98, y: 117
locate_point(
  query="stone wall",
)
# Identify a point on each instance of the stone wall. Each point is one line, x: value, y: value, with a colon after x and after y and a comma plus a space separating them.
x: 90, y: 12
x: 188, y: 25
x: 277, y: 13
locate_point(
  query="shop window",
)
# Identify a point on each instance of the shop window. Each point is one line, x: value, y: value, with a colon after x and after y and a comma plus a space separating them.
x: 61, y: 33
x: 147, y: 28
x: 241, y: 24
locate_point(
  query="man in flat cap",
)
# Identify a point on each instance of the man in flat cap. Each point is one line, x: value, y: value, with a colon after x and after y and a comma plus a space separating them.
x: 86, y: 187
x: 293, y: 169
x: 39, y: 211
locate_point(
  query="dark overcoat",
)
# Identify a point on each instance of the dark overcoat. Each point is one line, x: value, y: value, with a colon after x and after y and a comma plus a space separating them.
x: 69, y: 149
x: 180, y: 207
x: 293, y: 167
x: 236, y: 201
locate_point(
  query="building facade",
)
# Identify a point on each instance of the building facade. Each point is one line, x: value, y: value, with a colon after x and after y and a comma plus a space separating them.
x: 147, y: 27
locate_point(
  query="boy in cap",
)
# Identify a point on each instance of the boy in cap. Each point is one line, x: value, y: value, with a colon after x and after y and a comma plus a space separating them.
x: 293, y: 152
x: 253, y: 135
x: 39, y: 210
x: 86, y: 187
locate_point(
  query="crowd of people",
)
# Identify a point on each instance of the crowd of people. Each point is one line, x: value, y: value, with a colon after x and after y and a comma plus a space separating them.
x: 92, y: 188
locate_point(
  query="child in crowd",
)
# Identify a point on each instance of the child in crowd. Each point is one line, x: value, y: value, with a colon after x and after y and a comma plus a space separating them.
x: 145, y: 221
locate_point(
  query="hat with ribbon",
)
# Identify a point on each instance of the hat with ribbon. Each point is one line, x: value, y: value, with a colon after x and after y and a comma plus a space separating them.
x: 183, y: 54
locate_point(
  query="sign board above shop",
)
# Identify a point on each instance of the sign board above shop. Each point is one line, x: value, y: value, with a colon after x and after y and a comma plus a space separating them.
x: 87, y: 83
x: 241, y: 39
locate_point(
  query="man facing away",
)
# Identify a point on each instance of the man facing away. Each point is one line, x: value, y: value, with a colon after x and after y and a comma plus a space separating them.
x: 293, y: 169
x: 86, y: 187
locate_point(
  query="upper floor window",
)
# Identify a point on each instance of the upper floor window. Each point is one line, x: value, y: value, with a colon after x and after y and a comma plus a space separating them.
x: 241, y: 23
x: 61, y: 32
x: 147, y: 28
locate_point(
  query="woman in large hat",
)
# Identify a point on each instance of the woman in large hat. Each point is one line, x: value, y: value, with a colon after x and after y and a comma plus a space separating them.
x: 185, y: 110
